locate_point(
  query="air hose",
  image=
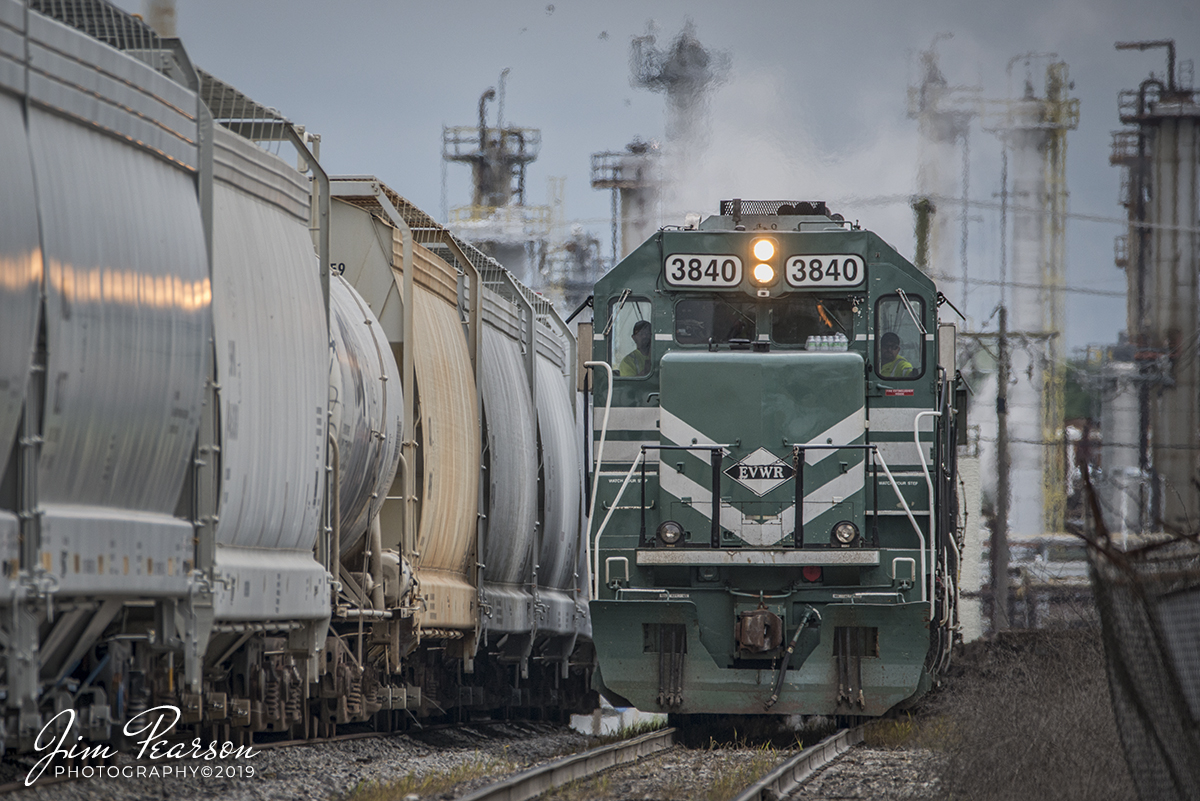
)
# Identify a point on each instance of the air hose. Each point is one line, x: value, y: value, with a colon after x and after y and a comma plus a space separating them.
x: 787, y: 657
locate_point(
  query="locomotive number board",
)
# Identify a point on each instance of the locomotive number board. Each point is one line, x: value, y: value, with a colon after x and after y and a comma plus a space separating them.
x: 703, y: 270
x: 825, y: 270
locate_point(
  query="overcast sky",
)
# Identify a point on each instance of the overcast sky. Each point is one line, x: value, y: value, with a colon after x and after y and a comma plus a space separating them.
x: 814, y: 107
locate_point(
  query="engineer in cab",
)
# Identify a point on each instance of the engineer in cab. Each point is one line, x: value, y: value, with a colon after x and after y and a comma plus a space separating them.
x: 894, y: 365
x: 637, y: 361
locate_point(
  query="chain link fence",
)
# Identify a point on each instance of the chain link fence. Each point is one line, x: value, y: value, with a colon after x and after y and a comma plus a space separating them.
x: 1149, y: 603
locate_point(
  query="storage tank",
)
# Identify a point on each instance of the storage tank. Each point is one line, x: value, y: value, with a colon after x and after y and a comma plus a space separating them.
x: 1122, y: 489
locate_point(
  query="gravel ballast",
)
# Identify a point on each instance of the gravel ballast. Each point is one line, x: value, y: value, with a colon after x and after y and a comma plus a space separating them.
x: 326, y: 770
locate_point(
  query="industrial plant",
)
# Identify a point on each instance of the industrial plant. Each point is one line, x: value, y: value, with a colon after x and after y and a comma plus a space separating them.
x: 1140, y: 437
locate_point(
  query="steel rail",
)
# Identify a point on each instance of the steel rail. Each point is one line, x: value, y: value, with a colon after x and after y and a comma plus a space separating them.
x: 535, y: 781
x: 785, y: 778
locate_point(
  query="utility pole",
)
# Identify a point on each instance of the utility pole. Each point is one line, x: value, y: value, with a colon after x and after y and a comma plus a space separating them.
x: 1003, y: 465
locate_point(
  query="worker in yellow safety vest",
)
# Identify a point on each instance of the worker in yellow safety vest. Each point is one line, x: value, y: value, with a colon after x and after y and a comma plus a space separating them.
x: 637, y: 361
x: 894, y: 365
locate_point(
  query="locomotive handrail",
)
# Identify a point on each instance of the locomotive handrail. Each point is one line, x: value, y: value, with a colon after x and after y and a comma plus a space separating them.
x: 596, y: 547
x: 929, y: 485
x: 927, y: 593
x: 920, y: 535
x: 587, y: 535
x: 595, y: 583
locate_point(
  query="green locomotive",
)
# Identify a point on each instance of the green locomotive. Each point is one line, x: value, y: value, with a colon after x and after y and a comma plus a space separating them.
x: 774, y: 525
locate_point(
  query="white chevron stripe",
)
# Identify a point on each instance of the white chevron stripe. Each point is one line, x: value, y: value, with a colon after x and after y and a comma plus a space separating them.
x: 677, y: 431
x: 840, y: 433
x: 771, y: 530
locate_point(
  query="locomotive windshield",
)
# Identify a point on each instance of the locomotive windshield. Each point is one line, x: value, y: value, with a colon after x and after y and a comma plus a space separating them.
x: 699, y: 321
x: 795, y: 319
x: 719, y: 320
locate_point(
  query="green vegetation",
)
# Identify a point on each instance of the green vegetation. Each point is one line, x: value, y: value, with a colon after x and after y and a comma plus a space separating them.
x: 1080, y: 398
x: 1026, y: 715
x: 431, y: 783
x: 751, y: 765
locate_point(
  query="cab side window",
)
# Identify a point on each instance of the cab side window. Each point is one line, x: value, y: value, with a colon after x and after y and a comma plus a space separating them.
x: 630, y: 337
x: 899, y: 342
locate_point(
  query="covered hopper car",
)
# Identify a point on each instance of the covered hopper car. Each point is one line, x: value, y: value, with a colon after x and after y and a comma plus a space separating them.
x: 276, y: 449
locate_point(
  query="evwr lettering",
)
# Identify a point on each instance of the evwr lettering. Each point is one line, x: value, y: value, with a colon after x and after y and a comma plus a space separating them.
x: 750, y: 471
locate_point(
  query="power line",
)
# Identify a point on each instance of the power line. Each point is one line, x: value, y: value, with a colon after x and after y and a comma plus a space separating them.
x: 884, y: 200
x: 1080, y: 290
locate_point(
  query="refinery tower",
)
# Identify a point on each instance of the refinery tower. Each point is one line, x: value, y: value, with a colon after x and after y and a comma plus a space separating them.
x: 1159, y: 152
x: 498, y: 221
x: 1033, y: 129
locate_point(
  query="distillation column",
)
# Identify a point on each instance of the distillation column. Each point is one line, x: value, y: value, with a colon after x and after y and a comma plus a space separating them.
x: 1162, y: 264
x: 633, y: 176
x: 1033, y: 130
x: 943, y: 114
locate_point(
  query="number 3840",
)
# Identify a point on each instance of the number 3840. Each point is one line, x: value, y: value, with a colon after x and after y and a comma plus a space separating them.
x: 685, y: 269
x: 824, y: 270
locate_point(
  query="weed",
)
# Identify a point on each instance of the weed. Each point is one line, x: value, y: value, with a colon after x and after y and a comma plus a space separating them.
x: 596, y: 787
x: 622, y: 734
x: 750, y: 767
x: 936, y: 732
x: 430, y: 783
x: 1028, y: 716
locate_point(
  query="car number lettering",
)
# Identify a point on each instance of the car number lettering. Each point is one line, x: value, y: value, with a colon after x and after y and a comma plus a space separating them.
x: 825, y: 270
x: 702, y: 270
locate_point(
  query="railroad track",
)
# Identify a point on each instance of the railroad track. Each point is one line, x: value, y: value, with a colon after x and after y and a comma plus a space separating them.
x: 776, y: 784
x: 536, y: 781
x: 781, y: 781
x: 652, y: 762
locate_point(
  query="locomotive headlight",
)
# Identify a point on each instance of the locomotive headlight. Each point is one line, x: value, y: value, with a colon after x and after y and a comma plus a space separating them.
x: 670, y: 532
x: 844, y: 533
x: 764, y: 249
x: 764, y: 273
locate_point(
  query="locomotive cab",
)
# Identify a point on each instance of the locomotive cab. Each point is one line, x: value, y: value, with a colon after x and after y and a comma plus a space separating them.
x: 769, y: 538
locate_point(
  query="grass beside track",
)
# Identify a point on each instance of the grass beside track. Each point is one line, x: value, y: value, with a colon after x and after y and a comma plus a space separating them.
x: 431, y: 783
x: 1023, y: 715
x: 751, y: 767
x: 740, y: 765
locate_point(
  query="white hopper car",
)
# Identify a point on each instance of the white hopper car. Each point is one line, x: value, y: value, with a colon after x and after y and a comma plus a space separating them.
x: 227, y: 483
